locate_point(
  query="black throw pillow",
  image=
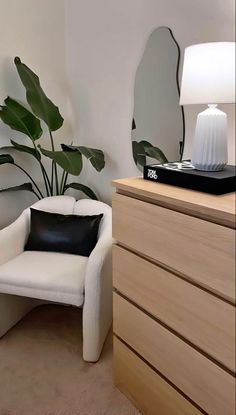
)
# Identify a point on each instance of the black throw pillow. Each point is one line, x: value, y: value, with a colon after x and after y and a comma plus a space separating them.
x: 72, y: 234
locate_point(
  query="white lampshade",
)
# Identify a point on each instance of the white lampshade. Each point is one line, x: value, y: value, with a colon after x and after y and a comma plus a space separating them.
x: 208, y: 74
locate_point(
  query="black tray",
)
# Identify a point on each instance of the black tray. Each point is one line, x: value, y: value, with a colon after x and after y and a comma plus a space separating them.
x: 217, y: 182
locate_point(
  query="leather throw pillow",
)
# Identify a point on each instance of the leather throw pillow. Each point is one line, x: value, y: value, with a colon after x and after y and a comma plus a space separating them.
x: 72, y: 234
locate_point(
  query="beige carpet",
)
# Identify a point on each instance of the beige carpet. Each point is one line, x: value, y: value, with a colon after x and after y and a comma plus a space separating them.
x: 42, y: 372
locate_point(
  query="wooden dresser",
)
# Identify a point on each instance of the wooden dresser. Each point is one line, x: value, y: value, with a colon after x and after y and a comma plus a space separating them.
x: 174, y: 298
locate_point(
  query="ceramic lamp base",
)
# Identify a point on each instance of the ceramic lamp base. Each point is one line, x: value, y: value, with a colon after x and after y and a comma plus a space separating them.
x: 210, y: 145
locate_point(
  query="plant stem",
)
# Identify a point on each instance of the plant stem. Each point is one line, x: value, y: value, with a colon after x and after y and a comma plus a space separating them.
x: 62, y: 182
x: 52, y: 178
x: 46, y: 180
x: 32, y: 180
x: 54, y: 166
x: 36, y: 195
x: 44, y: 173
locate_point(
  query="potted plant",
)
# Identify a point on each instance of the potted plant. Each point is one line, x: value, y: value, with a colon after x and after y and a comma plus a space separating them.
x: 69, y: 159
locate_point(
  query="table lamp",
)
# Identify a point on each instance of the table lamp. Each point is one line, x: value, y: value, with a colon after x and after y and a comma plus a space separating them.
x: 209, y: 78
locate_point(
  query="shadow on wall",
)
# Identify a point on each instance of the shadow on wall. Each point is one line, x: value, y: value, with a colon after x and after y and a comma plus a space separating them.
x: 12, y: 204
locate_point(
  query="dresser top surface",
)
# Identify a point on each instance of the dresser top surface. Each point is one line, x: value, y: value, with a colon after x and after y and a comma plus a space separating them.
x: 219, y: 209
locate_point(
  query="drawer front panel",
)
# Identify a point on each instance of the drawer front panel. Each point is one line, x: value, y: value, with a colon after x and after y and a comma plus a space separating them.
x: 200, y: 250
x: 144, y: 387
x: 200, y: 317
x: 203, y: 381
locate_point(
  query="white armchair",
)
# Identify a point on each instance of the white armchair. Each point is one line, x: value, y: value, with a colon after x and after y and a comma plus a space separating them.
x: 29, y: 278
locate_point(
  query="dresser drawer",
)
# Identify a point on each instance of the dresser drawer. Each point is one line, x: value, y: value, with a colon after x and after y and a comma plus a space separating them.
x: 200, y: 317
x: 145, y: 387
x: 200, y: 250
x: 212, y: 388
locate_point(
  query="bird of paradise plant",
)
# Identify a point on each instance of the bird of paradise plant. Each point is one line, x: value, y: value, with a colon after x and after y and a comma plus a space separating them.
x: 69, y: 158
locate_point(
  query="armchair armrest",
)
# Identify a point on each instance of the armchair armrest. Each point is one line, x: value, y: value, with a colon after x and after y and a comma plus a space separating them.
x: 97, y: 310
x: 13, y: 237
x: 98, y: 271
x: 98, y: 255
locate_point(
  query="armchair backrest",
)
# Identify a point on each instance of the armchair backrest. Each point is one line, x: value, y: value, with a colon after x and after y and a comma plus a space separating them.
x: 57, y: 204
x: 68, y: 205
x: 94, y: 207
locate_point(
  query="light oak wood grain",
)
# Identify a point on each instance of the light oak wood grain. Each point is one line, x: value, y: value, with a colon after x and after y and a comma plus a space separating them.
x: 204, y: 382
x: 200, y: 250
x: 176, y: 248
x: 203, y: 319
x: 147, y: 390
x: 218, y: 209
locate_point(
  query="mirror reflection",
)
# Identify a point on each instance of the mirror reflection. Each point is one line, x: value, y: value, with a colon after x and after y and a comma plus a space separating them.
x: 158, y: 121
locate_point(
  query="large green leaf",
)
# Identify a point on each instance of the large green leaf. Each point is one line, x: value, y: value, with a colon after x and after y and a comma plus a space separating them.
x: 95, y: 156
x: 26, y: 149
x: 153, y: 151
x: 145, y: 144
x: 20, y: 119
x: 23, y: 149
x: 82, y: 188
x: 25, y: 186
x: 6, y: 159
x: 139, y: 153
x: 142, y: 149
x: 40, y: 104
x: 157, y: 154
x: 70, y: 161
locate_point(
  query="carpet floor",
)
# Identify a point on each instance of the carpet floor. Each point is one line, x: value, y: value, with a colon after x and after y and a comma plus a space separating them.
x: 42, y: 371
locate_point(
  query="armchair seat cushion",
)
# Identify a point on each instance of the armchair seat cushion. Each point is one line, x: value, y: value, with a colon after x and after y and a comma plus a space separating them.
x: 45, y: 275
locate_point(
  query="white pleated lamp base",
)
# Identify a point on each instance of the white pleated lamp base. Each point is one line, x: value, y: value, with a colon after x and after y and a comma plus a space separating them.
x: 210, y: 151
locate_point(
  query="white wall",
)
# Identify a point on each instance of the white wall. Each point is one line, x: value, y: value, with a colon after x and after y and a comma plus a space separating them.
x: 105, y: 41
x: 35, y: 31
